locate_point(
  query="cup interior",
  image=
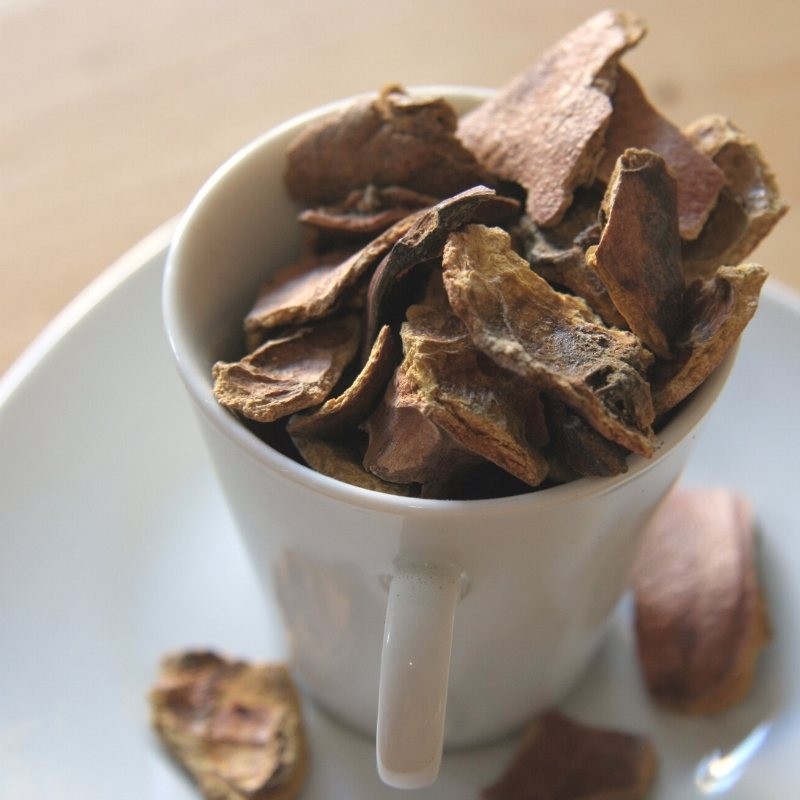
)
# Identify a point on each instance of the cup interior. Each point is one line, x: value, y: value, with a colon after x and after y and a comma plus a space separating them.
x: 242, y: 226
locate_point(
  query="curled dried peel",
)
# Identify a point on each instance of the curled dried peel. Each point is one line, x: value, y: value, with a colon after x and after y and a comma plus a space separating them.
x: 701, y: 619
x: 338, y: 414
x: 301, y: 294
x: 717, y: 311
x: 288, y: 374
x: 425, y: 241
x: 635, y: 123
x: 473, y: 404
x: 236, y: 727
x: 525, y: 326
x: 638, y: 258
x: 364, y: 212
x: 545, y: 130
x: 559, y: 759
x: 391, y: 140
x: 750, y: 203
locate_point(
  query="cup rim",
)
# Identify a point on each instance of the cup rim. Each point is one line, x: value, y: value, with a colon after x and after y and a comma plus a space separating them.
x: 692, y: 412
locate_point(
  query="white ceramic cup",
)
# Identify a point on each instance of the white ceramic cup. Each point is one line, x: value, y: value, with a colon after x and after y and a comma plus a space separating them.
x: 377, y: 590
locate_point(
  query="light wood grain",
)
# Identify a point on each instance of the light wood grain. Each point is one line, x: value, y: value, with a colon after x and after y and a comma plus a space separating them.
x: 113, y: 113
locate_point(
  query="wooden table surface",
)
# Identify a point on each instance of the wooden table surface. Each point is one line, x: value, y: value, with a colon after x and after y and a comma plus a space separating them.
x: 113, y: 113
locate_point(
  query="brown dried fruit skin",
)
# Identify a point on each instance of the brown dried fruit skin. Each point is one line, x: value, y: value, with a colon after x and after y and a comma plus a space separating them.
x: 339, y: 461
x: 749, y: 206
x: 288, y: 374
x: 478, y: 406
x: 583, y: 450
x: 426, y: 239
x: 365, y: 212
x: 635, y: 123
x: 391, y: 140
x: 558, y: 254
x: 560, y: 759
x: 638, y: 258
x: 235, y: 727
x: 700, y: 614
x: 338, y: 414
x: 525, y: 326
x: 717, y: 311
x: 406, y: 447
x: 297, y: 295
x: 583, y: 282
x: 561, y: 242
x: 545, y: 130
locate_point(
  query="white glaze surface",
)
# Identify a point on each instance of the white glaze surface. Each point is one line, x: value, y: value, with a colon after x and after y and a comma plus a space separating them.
x: 117, y: 547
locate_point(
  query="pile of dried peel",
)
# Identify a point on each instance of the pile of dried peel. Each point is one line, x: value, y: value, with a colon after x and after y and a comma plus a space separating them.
x: 509, y: 300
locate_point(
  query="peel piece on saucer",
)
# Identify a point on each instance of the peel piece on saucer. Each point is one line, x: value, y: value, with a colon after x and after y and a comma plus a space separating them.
x: 560, y: 759
x: 235, y: 727
x: 701, y: 618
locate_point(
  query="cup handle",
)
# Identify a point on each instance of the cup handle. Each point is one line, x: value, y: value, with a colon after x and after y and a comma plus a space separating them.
x: 415, y: 665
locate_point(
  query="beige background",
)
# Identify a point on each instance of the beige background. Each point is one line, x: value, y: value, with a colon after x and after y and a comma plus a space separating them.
x: 112, y: 113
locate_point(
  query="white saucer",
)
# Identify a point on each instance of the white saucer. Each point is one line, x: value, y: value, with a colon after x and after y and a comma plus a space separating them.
x: 116, y: 547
